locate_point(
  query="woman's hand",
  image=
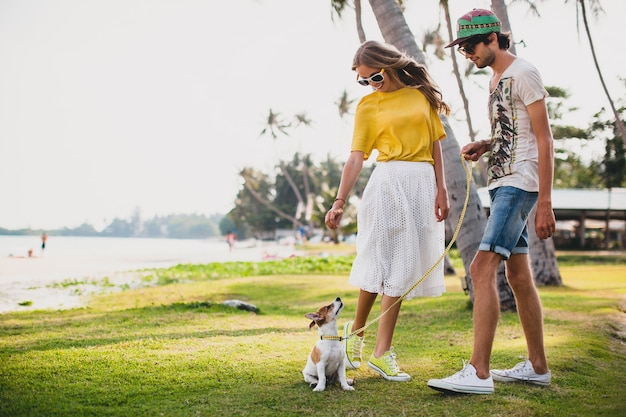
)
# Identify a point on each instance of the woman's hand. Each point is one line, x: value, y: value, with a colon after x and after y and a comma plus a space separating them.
x: 333, y: 217
x: 442, y: 205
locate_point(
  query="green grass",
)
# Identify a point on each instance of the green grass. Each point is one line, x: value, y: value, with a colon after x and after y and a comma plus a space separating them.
x: 175, y: 350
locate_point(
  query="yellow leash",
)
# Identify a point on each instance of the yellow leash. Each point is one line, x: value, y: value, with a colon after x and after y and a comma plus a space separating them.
x: 467, y: 166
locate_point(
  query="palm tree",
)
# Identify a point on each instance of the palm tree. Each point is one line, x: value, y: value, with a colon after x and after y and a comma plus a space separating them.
x: 482, y: 165
x: 339, y: 7
x: 344, y: 104
x: 250, y: 184
x: 596, y: 8
x: 275, y: 125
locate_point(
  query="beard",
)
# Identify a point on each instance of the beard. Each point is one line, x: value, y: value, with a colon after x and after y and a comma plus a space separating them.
x: 486, y: 61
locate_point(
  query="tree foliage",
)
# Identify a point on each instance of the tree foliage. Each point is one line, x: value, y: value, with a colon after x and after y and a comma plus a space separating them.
x: 266, y: 200
x: 613, y: 170
x: 173, y: 226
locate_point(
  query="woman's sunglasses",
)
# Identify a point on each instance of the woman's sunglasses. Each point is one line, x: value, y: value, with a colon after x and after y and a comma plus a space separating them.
x: 375, y: 78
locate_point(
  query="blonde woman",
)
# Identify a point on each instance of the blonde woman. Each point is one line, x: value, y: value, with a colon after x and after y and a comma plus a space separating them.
x: 400, y: 218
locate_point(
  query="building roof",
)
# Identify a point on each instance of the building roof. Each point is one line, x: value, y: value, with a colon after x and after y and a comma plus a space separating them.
x: 573, y: 203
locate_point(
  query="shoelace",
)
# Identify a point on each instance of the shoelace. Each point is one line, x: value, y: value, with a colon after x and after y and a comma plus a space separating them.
x: 357, y: 347
x: 460, y: 374
x: 520, y: 367
x: 391, y: 363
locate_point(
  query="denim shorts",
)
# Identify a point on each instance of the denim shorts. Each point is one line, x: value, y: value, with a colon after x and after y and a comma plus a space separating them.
x: 507, y: 233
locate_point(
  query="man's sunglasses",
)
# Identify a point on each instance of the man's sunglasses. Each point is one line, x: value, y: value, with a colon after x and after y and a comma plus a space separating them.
x: 470, y: 48
x: 374, y: 78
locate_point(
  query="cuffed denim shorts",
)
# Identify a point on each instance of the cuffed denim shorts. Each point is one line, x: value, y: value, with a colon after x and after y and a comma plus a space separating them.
x: 507, y: 233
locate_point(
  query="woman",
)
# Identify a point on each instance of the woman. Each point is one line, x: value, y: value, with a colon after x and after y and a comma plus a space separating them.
x: 400, y: 218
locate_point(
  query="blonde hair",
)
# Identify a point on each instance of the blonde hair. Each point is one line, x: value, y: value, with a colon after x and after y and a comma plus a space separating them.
x: 402, y: 69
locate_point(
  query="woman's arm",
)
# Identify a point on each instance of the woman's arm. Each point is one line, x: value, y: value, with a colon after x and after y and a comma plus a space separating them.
x: 442, y: 204
x: 349, y: 175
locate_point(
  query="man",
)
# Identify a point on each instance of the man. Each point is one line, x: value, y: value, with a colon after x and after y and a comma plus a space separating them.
x: 521, y: 165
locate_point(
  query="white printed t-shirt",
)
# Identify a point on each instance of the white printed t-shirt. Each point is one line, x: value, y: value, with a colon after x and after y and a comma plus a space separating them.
x: 514, y: 157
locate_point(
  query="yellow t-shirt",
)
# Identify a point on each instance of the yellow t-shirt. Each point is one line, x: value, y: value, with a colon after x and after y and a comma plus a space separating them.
x: 400, y: 124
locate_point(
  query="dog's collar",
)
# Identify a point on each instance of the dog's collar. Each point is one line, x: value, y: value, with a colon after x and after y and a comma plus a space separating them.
x: 328, y: 337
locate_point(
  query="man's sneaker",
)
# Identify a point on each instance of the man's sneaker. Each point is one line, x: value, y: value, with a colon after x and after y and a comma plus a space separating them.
x: 524, y: 372
x: 464, y: 382
x: 386, y: 366
x: 353, y: 347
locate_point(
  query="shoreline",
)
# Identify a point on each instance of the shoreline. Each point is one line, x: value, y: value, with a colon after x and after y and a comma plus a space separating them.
x: 62, y: 282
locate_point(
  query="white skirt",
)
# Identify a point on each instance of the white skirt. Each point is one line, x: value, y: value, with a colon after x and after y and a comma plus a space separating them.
x: 398, y: 237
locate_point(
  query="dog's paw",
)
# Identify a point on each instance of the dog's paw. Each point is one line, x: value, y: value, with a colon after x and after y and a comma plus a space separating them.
x: 348, y: 385
x: 319, y: 388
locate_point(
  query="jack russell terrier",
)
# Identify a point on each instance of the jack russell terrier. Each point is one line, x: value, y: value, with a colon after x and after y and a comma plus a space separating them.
x: 325, y: 364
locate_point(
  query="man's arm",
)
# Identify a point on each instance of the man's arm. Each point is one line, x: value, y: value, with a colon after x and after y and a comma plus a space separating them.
x: 545, y: 222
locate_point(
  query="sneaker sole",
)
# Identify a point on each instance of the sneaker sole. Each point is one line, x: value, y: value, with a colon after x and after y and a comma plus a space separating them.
x: 455, y: 389
x: 389, y: 377
x: 502, y: 378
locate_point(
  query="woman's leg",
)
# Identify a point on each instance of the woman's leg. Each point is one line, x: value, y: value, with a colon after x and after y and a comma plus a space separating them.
x: 386, y: 324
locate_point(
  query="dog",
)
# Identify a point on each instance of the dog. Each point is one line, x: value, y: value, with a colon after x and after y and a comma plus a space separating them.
x: 326, y: 362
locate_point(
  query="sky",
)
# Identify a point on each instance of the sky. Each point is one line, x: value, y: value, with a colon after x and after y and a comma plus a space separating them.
x: 108, y: 107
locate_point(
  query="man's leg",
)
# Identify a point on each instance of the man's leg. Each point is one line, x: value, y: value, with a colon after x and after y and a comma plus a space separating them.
x: 475, y: 377
x: 528, y: 308
x: 486, y: 310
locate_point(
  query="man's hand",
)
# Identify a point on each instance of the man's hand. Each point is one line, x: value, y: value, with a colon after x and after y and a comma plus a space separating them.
x: 472, y: 151
x: 545, y: 222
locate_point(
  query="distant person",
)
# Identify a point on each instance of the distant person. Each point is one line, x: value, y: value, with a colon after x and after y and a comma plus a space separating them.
x: 521, y: 164
x: 401, y: 214
x: 231, y: 238
x: 29, y: 252
x: 44, y: 238
x: 301, y: 235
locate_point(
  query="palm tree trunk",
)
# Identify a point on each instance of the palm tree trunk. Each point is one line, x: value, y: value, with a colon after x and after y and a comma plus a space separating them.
x: 618, y: 121
x: 500, y: 10
x: 474, y: 221
x: 266, y: 203
x: 482, y: 165
x: 359, y: 22
x: 457, y: 73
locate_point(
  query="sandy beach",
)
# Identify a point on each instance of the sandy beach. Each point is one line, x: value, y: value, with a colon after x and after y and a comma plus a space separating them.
x: 64, y: 279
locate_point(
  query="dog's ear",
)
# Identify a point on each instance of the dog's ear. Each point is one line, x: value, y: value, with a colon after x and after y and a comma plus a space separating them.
x: 314, y: 317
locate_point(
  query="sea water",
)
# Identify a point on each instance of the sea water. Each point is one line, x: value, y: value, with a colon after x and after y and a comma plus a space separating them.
x: 38, y: 281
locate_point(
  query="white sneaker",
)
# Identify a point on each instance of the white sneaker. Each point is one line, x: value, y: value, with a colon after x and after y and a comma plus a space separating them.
x: 465, y: 382
x: 524, y: 372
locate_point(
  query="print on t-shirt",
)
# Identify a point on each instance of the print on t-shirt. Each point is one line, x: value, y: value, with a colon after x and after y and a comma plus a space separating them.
x: 503, y: 130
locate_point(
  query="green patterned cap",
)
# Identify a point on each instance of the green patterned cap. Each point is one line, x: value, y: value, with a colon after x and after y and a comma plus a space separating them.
x: 476, y: 22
